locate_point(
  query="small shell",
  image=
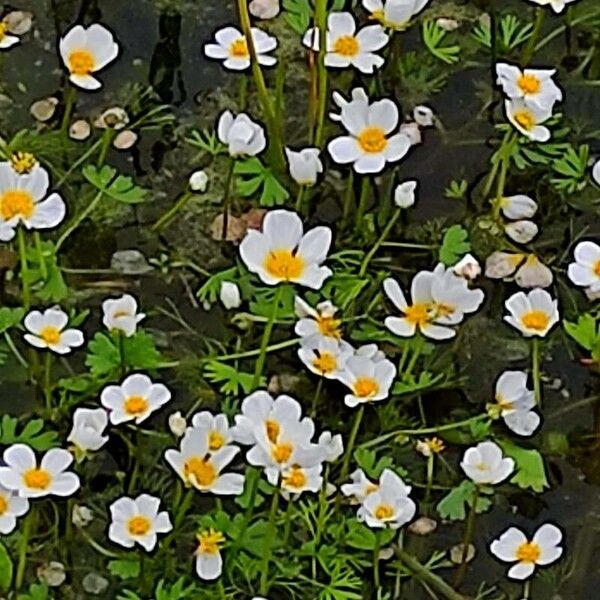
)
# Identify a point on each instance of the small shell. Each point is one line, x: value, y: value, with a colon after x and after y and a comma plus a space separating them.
x: 43, y: 110
x: 18, y: 22
x: 422, y: 526
x: 456, y: 553
x: 112, y: 118
x: 80, y: 130
x: 125, y: 139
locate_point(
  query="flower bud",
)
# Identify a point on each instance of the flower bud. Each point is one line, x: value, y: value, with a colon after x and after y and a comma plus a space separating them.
x: 518, y: 207
x: 423, y: 116
x: 230, y: 295
x: 521, y: 232
x: 404, y: 195
x: 177, y: 424
x: 198, y: 181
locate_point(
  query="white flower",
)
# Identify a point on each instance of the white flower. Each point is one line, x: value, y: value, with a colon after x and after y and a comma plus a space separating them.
x: 22, y: 473
x: 521, y: 232
x: 371, y: 143
x: 81, y: 516
x: 198, y: 181
x: 85, y: 51
x: 533, y: 273
x: 528, y: 119
x: 216, y: 428
x: 404, y: 195
x: 388, y: 506
x: 357, y: 94
x: 283, y: 252
x: 325, y: 356
x: 395, y: 14
x: 515, y: 401
x: 121, y: 314
x: 88, y: 428
x: 6, y: 40
x: 138, y: 521
x: 332, y: 445
x: 423, y: 116
x: 369, y: 380
x: 514, y: 546
x: 135, y: 399
x: 177, y: 424
x: 534, y: 86
x: 12, y: 505
x: 533, y: 314
x: 484, y: 464
x: 467, y: 267
x: 557, y: 5
x: 596, y: 172
x: 305, y: 165
x: 518, y: 207
x: 209, y: 563
x: 502, y: 264
x: 200, y: 468
x: 232, y: 48
x: 264, y: 9
x: 298, y: 479
x: 47, y: 330
x: 319, y: 321
x: 585, y: 271
x: 229, y: 294
x: 22, y: 201
x: 241, y: 135
x: 346, y: 47
x: 360, y: 488
x: 260, y: 412
x: 412, y: 132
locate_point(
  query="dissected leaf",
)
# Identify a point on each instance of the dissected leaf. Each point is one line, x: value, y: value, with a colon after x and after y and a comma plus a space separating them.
x: 454, y: 245
x: 456, y: 502
x: 529, y: 465
x: 116, y: 186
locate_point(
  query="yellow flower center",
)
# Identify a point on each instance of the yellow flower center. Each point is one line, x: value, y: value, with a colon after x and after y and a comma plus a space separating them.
x: 282, y: 452
x: 81, y: 62
x: 436, y: 445
x: 384, y: 511
x: 3, y: 505
x: 50, y: 334
x: 38, y: 479
x: 528, y: 552
x: 139, y: 525
x: 329, y: 327
x: 296, y: 478
x: 273, y: 428
x: 365, y: 387
x: 199, y: 470
x: 136, y: 405
x: 22, y: 162
x: 417, y: 314
x: 216, y: 440
x: 346, y: 45
x: 16, y: 203
x: 529, y: 84
x: 3, y: 29
x: 325, y: 362
x: 536, y: 319
x: 597, y: 268
x: 445, y: 310
x: 284, y: 264
x: 525, y: 119
x: 372, y: 140
x: 239, y: 48
x: 503, y: 404
x: 209, y: 542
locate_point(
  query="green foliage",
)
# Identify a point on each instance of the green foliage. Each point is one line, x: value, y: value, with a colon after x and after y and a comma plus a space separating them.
x: 255, y: 178
x: 36, y: 591
x: 529, y: 465
x: 6, y: 569
x: 512, y: 32
x: 118, y: 187
x: 454, y: 505
x: 209, y: 292
x: 10, y: 317
x: 44, y: 269
x: 571, y: 170
x: 299, y: 13
x: 207, y: 141
x: 367, y: 460
x: 361, y: 537
x: 31, y: 434
x: 232, y: 380
x: 177, y: 591
x: 433, y: 36
x: 124, y: 569
x: 457, y: 189
x: 454, y: 245
x: 586, y: 333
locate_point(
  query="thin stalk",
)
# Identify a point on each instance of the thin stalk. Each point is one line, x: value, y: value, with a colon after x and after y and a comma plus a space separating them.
x: 78, y: 220
x: 362, y: 204
x: 24, y: 268
x: 247, y: 517
x: 351, y: 441
x: 15, y: 351
x: 467, y: 538
x: 257, y: 351
x: 535, y: 370
x: 320, y: 518
x: 376, y: 549
x: 70, y: 96
x: 260, y: 362
x: 377, y: 245
x: 91, y: 150
x: 429, y: 578
x: 40, y: 255
x: 348, y: 200
x: 48, y: 379
x: 22, y: 548
x: 287, y: 527
x: 227, y: 198
x: 170, y: 214
x: 122, y: 357
x: 430, y: 466
x: 316, y: 398
x: 321, y: 24
x: 526, y: 589
x: 528, y: 51
x: 268, y: 544
x: 107, y: 137
x: 415, y: 356
x: 300, y: 198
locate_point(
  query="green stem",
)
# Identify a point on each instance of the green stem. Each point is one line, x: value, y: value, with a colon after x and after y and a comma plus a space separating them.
x: 467, y: 538
x: 15, y: 351
x: 376, y: 549
x: 70, y: 96
x: 415, y: 356
x: 170, y: 214
x: 287, y: 527
x: 321, y: 24
x: 227, y: 198
x: 48, y: 379
x: 257, y: 351
x: 122, y: 358
x: 221, y: 590
x: 107, y: 137
x: 320, y: 518
x: 526, y: 590
x: 268, y: 544
x: 316, y: 398
x: 351, y: 441
x: 300, y: 198
x: 362, y: 204
x: 429, y: 578
x: 390, y: 224
x: 535, y: 370
x: 430, y: 465
x: 22, y: 548
x: 24, y: 268
x: 40, y: 255
x: 79, y: 219
x: 75, y: 166
x: 260, y: 362
x: 348, y: 200
x: 540, y: 16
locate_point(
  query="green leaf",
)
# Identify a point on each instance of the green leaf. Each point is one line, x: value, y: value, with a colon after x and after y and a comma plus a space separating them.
x: 209, y: 292
x: 102, y: 355
x: 6, y: 569
x: 367, y: 461
x: 454, y: 504
x: 361, y: 537
x: 231, y: 379
x: 255, y: 178
x: 433, y: 36
x: 529, y: 465
x: 31, y: 434
x: 36, y: 592
x: 116, y: 186
x: 454, y: 245
x: 9, y: 317
x: 124, y: 569
x: 140, y: 351
x: 584, y: 332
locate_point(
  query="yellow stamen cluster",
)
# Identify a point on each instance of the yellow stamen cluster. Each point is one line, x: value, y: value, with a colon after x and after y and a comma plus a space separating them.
x: 529, y: 552
x: 372, y: 140
x: 346, y: 45
x: 38, y: 479
x: 209, y: 541
x: 139, y: 525
x: 200, y: 471
x: 16, y: 203
x: 284, y: 264
x: 23, y: 162
x: 536, y: 319
x: 136, y: 405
